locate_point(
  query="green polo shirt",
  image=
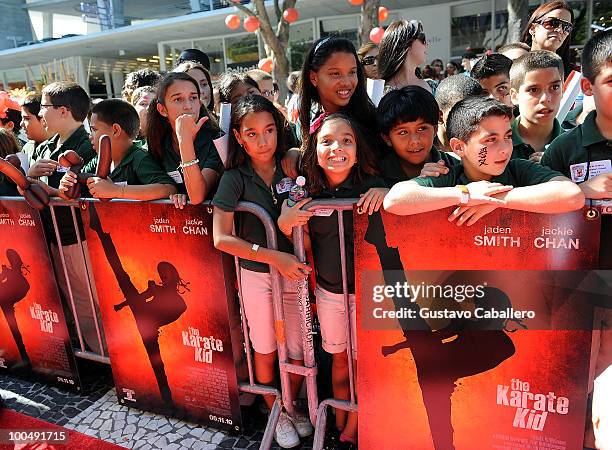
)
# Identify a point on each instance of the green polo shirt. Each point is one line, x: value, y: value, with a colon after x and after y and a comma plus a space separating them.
x: 391, y: 168
x: 243, y: 184
x: 80, y: 143
x: 518, y: 173
x: 325, y: 238
x: 137, y: 168
x: 569, y: 154
x: 522, y: 150
x: 7, y: 187
x: 205, y: 152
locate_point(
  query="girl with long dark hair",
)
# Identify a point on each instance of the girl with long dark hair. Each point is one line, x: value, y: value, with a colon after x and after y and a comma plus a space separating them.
x: 332, y: 80
x: 257, y: 143
x: 402, y: 50
x: 180, y: 136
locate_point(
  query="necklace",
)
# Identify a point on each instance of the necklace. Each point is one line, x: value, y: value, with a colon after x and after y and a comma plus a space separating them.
x: 274, y: 200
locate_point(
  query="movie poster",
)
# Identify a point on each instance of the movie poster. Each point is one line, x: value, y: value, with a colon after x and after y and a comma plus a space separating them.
x: 474, y: 337
x: 33, y: 332
x: 164, y: 305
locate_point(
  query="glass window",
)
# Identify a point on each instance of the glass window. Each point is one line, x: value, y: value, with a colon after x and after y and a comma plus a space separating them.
x: 242, y: 51
x: 301, y: 37
x: 470, y: 27
x: 214, y: 49
x: 346, y: 27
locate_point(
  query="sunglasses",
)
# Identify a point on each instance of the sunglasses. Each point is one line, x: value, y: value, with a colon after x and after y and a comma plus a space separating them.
x: 368, y: 60
x: 552, y: 23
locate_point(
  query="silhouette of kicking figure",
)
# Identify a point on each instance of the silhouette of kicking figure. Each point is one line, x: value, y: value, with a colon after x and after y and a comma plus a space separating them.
x: 164, y: 307
x: 443, y: 356
x: 13, y: 288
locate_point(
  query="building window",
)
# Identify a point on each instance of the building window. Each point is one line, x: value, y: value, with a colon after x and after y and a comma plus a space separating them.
x: 346, y: 27
x: 470, y: 27
x: 301, y: 37
x: 214, y: 49
x: 242, y: 51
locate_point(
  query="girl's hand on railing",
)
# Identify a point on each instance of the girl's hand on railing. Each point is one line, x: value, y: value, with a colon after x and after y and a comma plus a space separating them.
x: 372, y: 200
x: 290, y: 267
x: 179, y: 200
x: 293, y: 216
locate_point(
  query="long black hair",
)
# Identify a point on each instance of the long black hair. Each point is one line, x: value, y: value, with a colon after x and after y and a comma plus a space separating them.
x: 236, y: 154
x: 395, y: 45
x: 564, y: 50
x: 359, y: 107
x: 158, y: 126
x: 366, y: 161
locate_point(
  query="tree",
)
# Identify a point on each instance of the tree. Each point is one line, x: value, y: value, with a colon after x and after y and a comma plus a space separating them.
x: 369, y: 19
x: 518, y: 14
x: 275, y: 37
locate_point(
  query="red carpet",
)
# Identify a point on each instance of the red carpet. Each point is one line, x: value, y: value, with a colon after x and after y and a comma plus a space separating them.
x: 11, y: 420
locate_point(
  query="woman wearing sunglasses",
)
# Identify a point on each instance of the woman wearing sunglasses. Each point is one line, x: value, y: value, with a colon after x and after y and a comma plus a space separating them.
x: 367, y: 56
x: 550, y: 28
x: 402, y: 50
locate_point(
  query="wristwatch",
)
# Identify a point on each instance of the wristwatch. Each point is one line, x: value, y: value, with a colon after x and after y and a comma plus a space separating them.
x: 465, y: 194
x: 254, y: 250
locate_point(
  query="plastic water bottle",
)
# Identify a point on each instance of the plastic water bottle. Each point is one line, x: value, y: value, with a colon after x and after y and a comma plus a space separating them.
x: 298, y: 192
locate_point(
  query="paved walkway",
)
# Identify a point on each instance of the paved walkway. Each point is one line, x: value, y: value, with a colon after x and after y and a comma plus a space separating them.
x: 96, y: 412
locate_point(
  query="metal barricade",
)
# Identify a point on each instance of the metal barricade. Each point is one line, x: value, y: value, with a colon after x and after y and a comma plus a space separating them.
x: 283, y: 398
x: 81, y: 352
x: 320, y: 420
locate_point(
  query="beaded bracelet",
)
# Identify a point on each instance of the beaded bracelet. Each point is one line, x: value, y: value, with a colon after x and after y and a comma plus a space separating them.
x: 193, y: 162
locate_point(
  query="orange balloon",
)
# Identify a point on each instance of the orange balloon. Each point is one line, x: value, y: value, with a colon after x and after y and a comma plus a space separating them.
x: 376, y: 34
x: 383, y: 14
x: 356, y: 2
x: 266, y: 65
x: 251, y: 24
x: 290, y: 15
x: 232, y: 21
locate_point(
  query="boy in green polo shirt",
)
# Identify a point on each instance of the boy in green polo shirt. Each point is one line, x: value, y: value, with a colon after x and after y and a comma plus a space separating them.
x: 480, y: 133
x: 536, y: 81
x: 135, y: 174
x: 585, y: 155
x: 493, y: 73
x: 408, y: 121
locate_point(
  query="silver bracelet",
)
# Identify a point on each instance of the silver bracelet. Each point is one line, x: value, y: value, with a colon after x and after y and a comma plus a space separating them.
x: 193, y: 162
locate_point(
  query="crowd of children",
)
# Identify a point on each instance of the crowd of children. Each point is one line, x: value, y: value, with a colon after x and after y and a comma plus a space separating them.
x: 482, y: 142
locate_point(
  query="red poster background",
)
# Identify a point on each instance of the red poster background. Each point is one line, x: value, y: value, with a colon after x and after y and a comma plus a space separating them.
x: 50, y: 351
x: 392, y: 413
x: 145, y: 234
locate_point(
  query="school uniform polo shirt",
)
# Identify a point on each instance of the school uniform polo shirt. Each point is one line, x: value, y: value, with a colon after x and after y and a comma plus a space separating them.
x: 518, y: 173
x: 571, y: 153
x: 391, y: 168
x: 325, y: 238
x: 522, y: 150
x: 7, y: 187
x: 205, y: 152
x: 80, y: 143
x: 243, y: 184
x: 137, y: 168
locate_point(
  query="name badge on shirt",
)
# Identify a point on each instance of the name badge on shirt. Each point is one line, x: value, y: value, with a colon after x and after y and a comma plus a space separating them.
x: 284, y: 185
x: 176, y: 176
x: 62, y: 169
x: 323, y: 212
x: 579, y: 171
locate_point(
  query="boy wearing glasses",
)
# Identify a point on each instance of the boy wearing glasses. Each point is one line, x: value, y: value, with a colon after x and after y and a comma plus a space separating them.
x: 64, y: 107
x: 536, y: 81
